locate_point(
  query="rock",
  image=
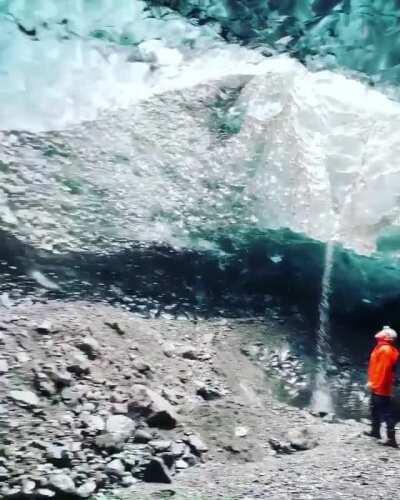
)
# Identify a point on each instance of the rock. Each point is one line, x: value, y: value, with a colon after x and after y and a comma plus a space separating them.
x: 128, y: 480
x: 44, y: 385
x: 160, y: 445
x: 62, y: 482
x: 61, y: 378
x: 78, y: 364
x: 169, y: 349
x: 301, y: 439
x: 22, y: 357
x: 120, y: 426
x: 94, y: 423
x: 181, y: 464
x: 27, y: 397
x: 141, y: 366
x: 45, y: 328
x: 71, y: 396
x: 153, y: 407
x: 241, y: 431
x: 4, y: 474
x: 119, y: 408
x: 86, y: 490
x: 142, y: 436
x: 189, y: 352
x: 118, y: 430
x: 209, y: 393
x: 116, y: 327
x: 196, y: 444
x: 178, y: 449
x: 3, y: 366
x: 45, y: 493
x: 156, y: 472
x: 28, y: 486
x: 58, y: 456
x: 115, y: 467
x: 89, y: 346
x: 280, y: 446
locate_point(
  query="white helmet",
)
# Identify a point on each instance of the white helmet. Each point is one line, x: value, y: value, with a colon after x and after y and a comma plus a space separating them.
x: 387, y: 332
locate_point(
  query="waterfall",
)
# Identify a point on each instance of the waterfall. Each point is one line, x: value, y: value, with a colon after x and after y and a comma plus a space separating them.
x: 322, y: 398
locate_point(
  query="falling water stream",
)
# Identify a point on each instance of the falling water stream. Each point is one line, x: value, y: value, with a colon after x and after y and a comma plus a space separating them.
x: 322, y: 400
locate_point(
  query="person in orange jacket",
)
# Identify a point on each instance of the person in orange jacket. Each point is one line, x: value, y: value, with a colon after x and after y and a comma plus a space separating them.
x: 381, y: 378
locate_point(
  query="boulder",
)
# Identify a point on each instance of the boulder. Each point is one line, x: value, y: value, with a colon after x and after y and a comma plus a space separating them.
x: 27, y: 397
x: 118, y: 430
x: 62, y: 483
x: 153, y: 408
x: 301, y: 439
x: 156, y: 472
x: 86, y: 489
x: 115, y: 467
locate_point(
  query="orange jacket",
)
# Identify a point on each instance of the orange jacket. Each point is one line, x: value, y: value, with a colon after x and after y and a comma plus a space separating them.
x: 381, y: 369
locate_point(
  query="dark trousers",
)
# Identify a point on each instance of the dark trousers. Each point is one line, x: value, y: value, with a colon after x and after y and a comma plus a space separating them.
x: 382, y: 411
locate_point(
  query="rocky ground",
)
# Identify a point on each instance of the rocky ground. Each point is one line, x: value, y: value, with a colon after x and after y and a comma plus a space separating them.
x: 98, y: 403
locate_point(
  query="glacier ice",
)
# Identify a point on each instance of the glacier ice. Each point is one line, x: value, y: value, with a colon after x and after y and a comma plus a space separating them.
x: 315, y: 152
x: 356, y: 34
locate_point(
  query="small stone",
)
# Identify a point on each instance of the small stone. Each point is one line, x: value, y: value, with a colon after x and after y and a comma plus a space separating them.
x: 128, y: 480
x: 61, y: 378
x: 62, y: 482
x: 58, y: 455
x: 115, y: 467
x: 3, y: 366
x: 22, y: 357
x: 119, y: 408
x: 28, y: 486
x: 116, y: 327
x: 189, y: 352
x: 27, y: 397
x: 241, y: 431
x: 141, y: 366
x: 45, y: 493
x: 86, y: 489
x: 4, y: 474
x: 45, y: 328
x: 209, y: 393
x: 156, y: 472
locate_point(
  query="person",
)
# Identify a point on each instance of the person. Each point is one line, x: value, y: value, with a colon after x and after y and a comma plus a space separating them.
x: 381, y: 378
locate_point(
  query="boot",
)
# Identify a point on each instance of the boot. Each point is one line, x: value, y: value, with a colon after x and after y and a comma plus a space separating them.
x: 374, y: 432
x: 391, y: 439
